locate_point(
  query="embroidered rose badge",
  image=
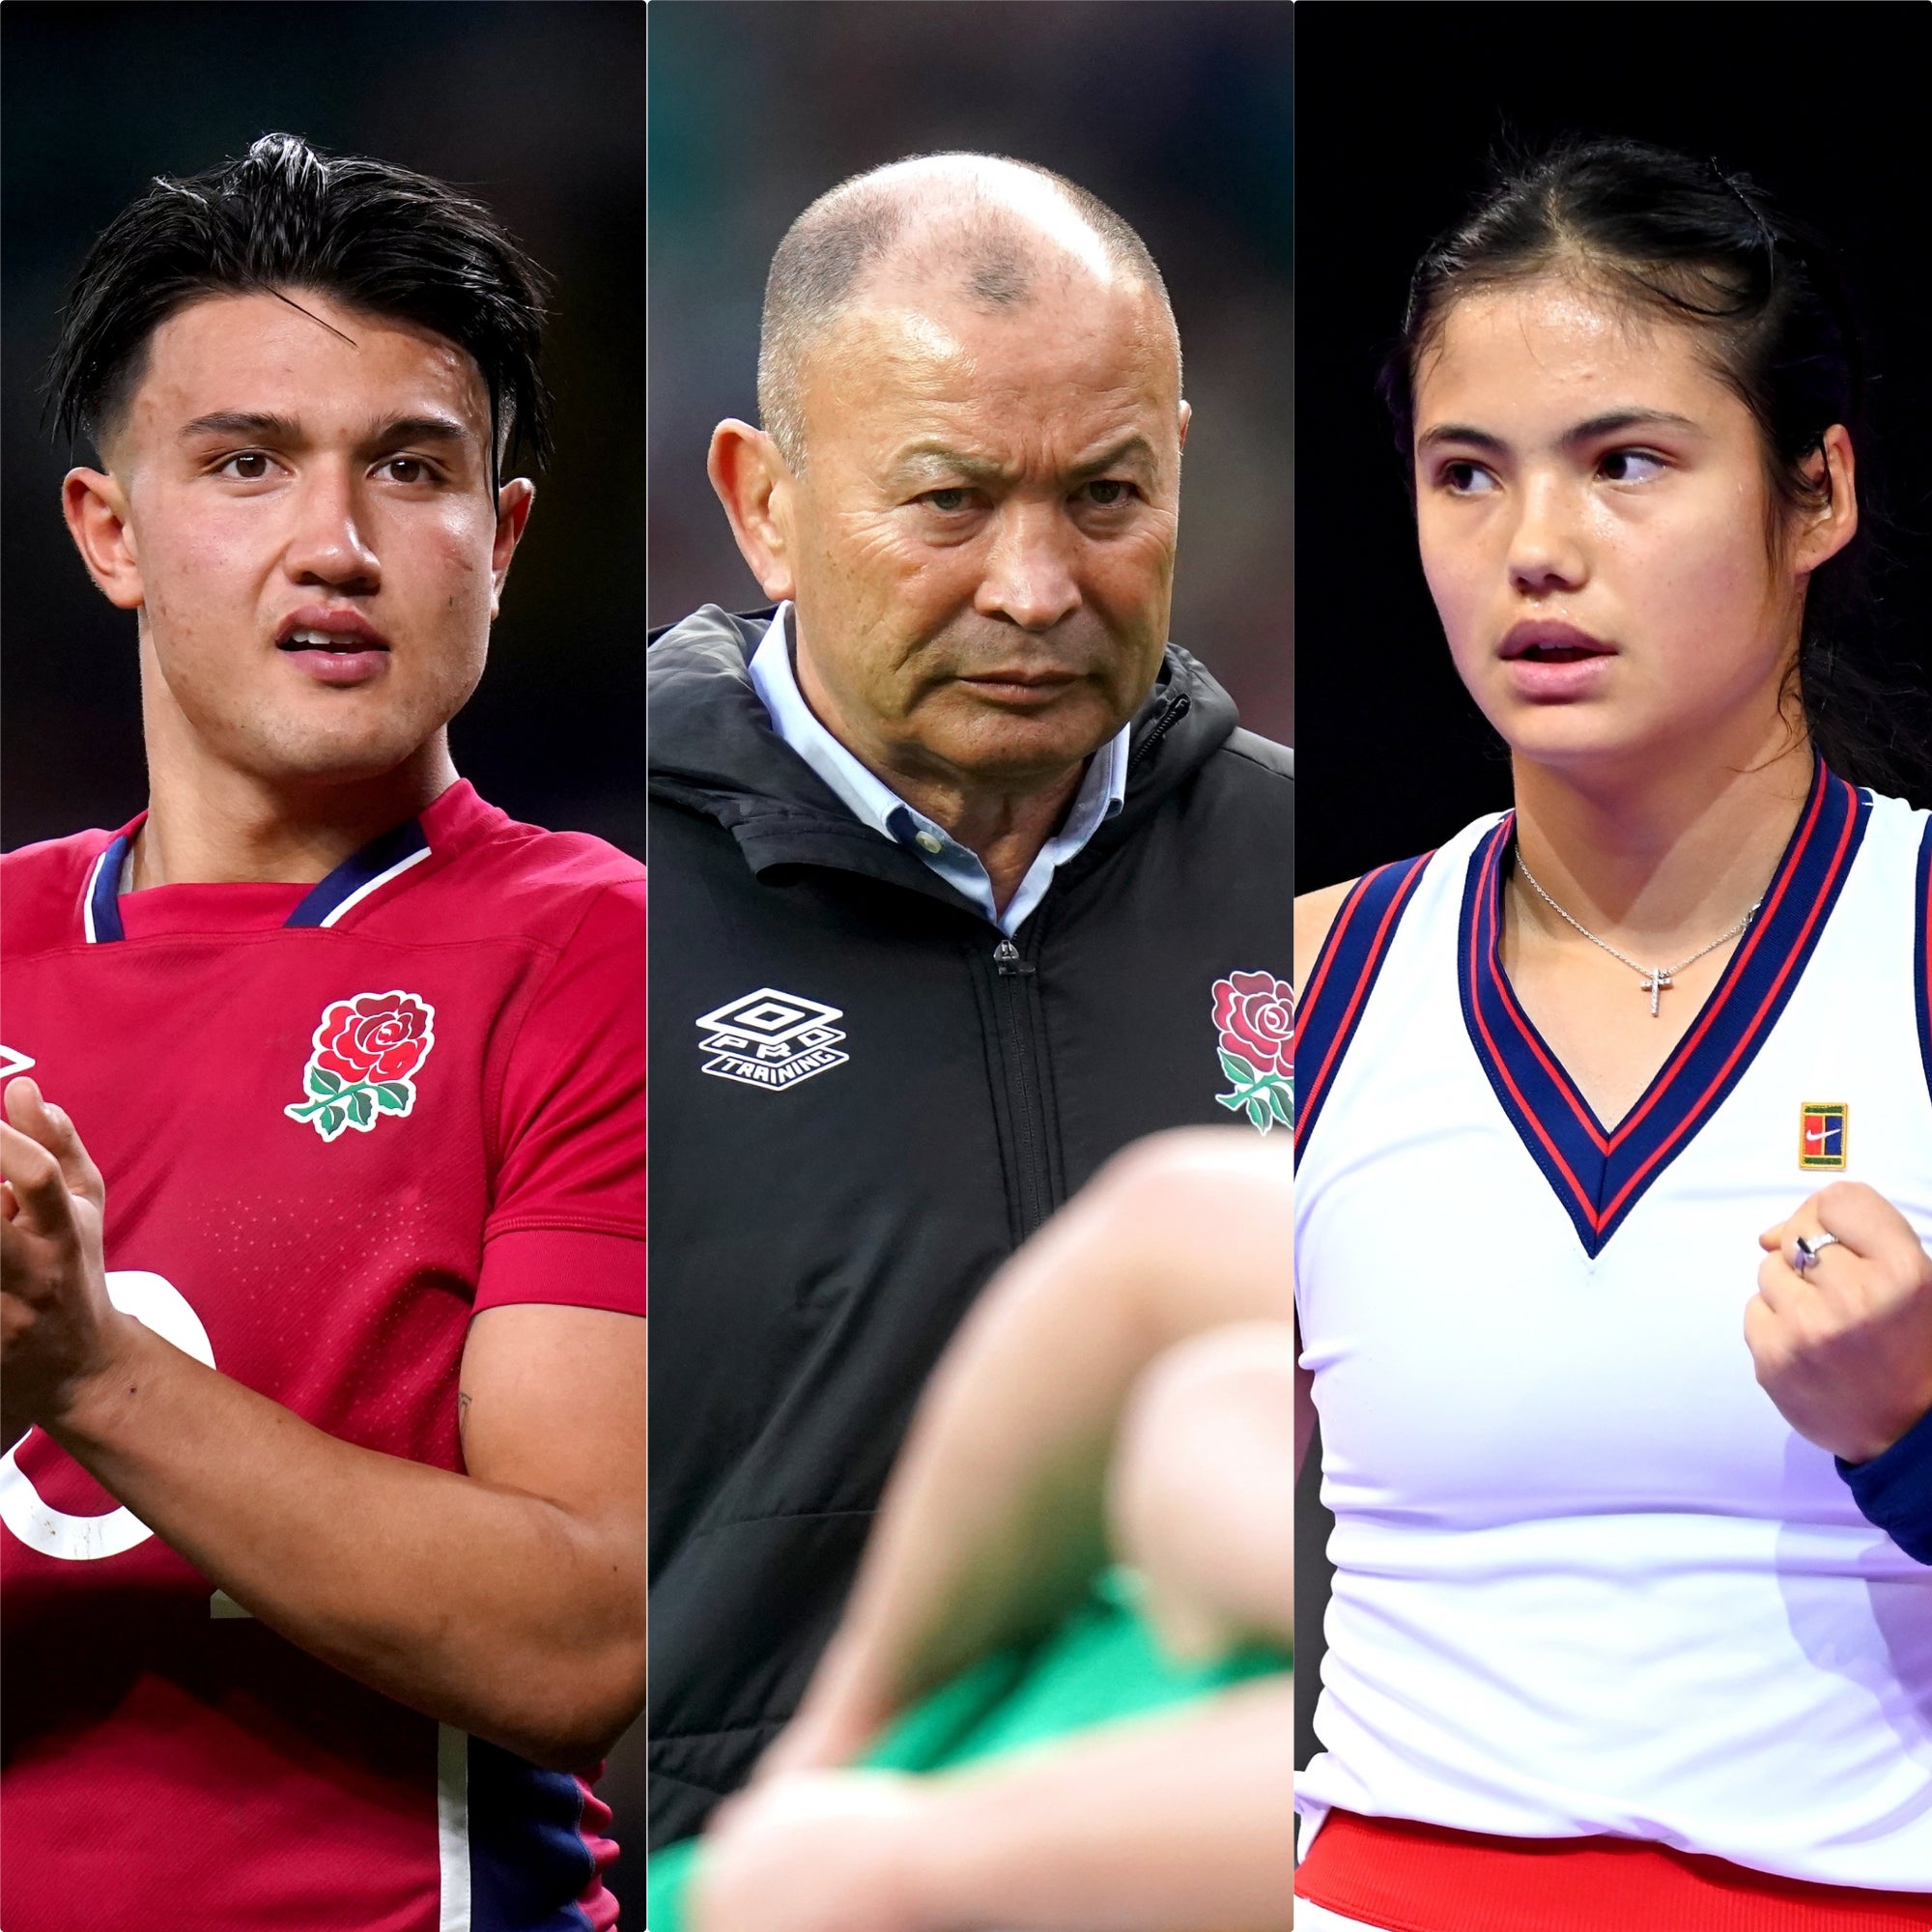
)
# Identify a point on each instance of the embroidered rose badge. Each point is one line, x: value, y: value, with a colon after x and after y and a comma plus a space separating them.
x: 1254, y: 1014
x: 367, y: 1050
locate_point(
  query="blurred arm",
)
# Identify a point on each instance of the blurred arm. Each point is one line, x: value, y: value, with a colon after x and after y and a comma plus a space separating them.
x: 1180, y: 1823
x: 995, y: 1517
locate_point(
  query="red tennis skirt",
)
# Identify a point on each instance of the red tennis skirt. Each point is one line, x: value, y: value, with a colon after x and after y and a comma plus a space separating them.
x: 1409, y: 1877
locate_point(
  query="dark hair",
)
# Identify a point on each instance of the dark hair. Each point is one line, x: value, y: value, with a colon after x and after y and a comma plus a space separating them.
x: 371, y: 235
x: 1679, y: 237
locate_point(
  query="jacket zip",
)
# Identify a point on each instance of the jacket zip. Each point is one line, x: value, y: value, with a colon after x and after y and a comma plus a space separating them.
x: 1176, y: 711
x: 1023, y: 1086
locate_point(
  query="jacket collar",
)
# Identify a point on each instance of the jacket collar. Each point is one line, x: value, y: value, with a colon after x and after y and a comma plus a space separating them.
x: 713, y: 751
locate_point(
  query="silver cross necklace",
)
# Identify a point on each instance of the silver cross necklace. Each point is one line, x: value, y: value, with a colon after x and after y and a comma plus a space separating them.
x: 1653, y: 980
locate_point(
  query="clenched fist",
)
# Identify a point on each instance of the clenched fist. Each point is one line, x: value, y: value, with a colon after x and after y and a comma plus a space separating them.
x: 1844, y: 1348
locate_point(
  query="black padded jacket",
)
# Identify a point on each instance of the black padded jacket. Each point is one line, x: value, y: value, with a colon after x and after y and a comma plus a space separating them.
x: 864, y: 1099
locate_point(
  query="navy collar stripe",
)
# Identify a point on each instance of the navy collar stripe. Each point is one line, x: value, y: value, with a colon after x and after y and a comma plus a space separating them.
x: 1775, y: 996
x: 1786, y: 976
x: 1767, y: 917
x: 1598, y: 1175
x: 100, y: 907
x: 1546, y: 1152
x: 1532, y: 1040
x: 1921, y: 953
x: 1345, y: 971
x: 351, y: 883
x: 360, y: 875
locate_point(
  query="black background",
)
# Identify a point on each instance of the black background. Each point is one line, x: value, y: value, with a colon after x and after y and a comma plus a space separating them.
x: 1397, y: 109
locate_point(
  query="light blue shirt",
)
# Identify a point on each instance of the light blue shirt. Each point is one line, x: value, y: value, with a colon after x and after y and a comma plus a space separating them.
x: 874, y: 802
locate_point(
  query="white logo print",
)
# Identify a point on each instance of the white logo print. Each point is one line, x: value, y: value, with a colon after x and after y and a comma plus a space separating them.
x: 156, y: 1303
x: 769, y: 1038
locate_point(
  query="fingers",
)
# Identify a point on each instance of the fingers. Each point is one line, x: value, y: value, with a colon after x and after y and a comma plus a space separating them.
x: 42, y: 1203
x: 1764, y: 1336
x: 36, y: 1117
x: 1843, y: 1346
x: 25, y: 1108
x: 1861, y: 1218
x: 1776, y: 1284
x: 1874, y: 1243
x: 15, y: 1257
x: 1839, y: 1210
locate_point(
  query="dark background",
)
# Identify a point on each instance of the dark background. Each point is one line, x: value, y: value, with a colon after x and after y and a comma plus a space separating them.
x: 1176, y: 113
x: 538, y: 110
x: 1399, y: 104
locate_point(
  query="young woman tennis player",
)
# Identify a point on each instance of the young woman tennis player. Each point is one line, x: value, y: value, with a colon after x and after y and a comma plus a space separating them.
x: 1612, y: 1643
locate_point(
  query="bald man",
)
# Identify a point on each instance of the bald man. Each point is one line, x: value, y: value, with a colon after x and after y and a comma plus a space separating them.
x: 966, y: 877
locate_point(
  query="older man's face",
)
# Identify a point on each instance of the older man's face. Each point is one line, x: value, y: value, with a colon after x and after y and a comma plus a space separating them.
x: 982, y: 540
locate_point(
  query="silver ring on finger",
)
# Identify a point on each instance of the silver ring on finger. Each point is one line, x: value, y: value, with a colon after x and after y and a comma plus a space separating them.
x: 1806, y: 1250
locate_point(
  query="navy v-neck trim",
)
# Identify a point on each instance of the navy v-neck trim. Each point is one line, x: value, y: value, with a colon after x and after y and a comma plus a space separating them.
x: 1599, y: 1173
x: 359, y: 875
x: 1922, y: 952
x: 101, y: 905
x: 1338, y: 988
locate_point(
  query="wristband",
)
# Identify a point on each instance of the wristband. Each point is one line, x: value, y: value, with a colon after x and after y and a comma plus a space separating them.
x: 1894, y: 1490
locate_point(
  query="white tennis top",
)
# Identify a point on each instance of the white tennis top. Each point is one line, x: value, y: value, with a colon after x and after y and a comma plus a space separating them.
x: 1588, y: 1579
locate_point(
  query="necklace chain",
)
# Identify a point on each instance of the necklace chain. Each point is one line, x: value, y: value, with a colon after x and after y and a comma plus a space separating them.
x: 1656, y: 979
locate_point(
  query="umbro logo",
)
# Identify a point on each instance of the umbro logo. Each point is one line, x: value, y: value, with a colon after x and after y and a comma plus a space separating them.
x: 770, y: 1039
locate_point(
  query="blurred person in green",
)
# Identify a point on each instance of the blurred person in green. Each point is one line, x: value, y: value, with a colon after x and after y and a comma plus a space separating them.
x: 1114, y: 1753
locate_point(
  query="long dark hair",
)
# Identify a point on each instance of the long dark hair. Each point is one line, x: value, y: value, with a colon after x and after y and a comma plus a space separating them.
x: 1679, y: 236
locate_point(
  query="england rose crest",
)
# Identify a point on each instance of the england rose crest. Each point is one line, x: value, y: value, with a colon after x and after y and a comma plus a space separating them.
x: 1254, y: 1014
x: 367, y: 1051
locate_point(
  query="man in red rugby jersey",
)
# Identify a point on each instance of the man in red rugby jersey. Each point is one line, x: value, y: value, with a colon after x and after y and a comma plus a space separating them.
x: 322, y: 1216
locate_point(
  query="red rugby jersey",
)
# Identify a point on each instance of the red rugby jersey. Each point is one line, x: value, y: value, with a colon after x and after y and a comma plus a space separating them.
x: 334, y: 1121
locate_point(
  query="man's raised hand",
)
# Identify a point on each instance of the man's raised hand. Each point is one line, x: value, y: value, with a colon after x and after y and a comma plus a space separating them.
x: 57, y: 1327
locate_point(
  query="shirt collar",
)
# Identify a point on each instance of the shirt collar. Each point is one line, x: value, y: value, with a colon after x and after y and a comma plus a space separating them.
x: 111, y: 909
x: 1103, y: 789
